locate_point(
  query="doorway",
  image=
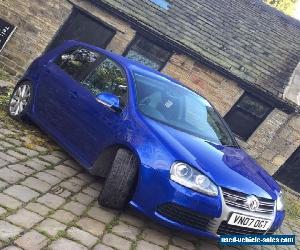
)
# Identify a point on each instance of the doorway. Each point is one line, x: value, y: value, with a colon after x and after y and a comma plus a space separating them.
x: 289, y: 173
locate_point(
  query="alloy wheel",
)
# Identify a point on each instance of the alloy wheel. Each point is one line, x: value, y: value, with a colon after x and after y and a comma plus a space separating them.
x: 19, y: 99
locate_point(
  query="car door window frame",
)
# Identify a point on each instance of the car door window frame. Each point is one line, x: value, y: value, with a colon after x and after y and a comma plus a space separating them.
x: 94, y: 67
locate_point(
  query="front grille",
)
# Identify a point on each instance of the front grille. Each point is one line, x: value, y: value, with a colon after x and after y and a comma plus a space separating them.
x: 225, y: 228
x: 184, y: 216
x: 237, y: 199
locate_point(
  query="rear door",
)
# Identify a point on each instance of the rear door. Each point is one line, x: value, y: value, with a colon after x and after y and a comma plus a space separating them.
x: 57, y: 90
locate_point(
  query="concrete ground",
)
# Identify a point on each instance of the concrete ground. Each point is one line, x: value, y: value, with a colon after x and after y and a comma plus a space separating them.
x: 47, y: 201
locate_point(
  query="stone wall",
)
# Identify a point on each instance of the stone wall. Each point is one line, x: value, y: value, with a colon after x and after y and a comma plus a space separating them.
x: 38, y: 21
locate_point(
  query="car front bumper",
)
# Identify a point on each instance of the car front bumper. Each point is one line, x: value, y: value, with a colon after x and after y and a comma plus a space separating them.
x: 178, y: 207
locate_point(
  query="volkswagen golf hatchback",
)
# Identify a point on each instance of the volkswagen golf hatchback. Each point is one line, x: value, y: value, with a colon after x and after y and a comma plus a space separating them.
x: 162, y: 147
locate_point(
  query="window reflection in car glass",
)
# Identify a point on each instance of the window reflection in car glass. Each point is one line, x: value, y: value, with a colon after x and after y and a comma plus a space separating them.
x: 76, y: 62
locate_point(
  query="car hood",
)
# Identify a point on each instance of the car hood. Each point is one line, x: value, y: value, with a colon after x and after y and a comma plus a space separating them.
x: 228, y: 167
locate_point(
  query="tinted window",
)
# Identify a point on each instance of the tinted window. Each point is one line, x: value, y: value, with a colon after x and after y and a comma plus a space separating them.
x: 76, y: 62
x: 148, y: 53
x: 246, y: 115
x: 108, y: 77
x: 180, y: 108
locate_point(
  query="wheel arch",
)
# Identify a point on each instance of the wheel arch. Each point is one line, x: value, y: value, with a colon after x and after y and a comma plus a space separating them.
x: 103, y: 163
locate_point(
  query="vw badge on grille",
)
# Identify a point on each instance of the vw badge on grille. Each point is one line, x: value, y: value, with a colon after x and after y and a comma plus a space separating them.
x: 252, y: 202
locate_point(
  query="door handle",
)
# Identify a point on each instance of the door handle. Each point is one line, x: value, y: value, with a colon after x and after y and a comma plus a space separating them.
x: 73, y: 94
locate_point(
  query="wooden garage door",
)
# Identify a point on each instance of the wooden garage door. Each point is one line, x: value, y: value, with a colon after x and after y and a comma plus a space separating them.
x: 85, y: 28
x: 289, y: 173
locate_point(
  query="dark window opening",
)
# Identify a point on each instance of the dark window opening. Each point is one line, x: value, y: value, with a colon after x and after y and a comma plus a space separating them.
x: 144, y: 51
x: 289, y: 172
x: 246, y: 115
x: 84, y: 28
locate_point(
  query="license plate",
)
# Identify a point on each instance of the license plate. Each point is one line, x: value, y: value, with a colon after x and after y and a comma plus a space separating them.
x: 249, y: 222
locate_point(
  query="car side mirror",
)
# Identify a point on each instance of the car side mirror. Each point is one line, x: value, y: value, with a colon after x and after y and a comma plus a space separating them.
x: 109, y: 100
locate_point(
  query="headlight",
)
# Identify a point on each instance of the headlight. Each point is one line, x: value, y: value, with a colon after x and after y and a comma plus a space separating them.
x: 189, y: 177
x: 280, y: 202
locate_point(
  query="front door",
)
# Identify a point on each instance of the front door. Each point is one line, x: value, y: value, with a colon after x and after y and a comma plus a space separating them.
x: 96, y: 125
x: 289, y: 173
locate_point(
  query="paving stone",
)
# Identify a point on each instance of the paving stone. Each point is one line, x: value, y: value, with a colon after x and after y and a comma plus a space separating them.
x: 3, y: 184
x: 6, y: 131
x: 2, y: 211
x: 91, y: 226
x: 11, y: 248
x: 91, y: 192
x: 155, y: 237
x: 67, y: 171
x: 144, y: 245
x: 22, y: 193
x: 209, y: 245
x: 14, y: 141
x: 25, y: 218
x: 7, y: 157
x: 56, y: 173
x: 9, y: 202
x: 66, y: 244
x: 183, y: 243
x: 51, y: 159
x: 72, y: 187
x: 40, y: 148
x: 10, y: 176
x: 100, y: 246
x: 22, y: 169
x: 37, y: 164
x: 82, y: 236
x: 65, y: 194
x: 101, y: 214
x: 63, y: 216
x: 32, y: 240
x: 83, y: 198
x: 51, y: 200
x: 36, y: 184
x: 44, y: 176
x: 51, y: 227
x: 77, y: 181
x: 3, y: 163
x: 132, y: 219
x: 126, y: 231
x: 75, y: 207
x: 27, y: 151
x: 16, y: 154
x: 38, y: 208
x: 116, y: 241
x: 8, y: 231
x: 6, y: 144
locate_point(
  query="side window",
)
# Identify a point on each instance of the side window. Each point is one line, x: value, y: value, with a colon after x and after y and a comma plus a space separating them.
x: 76, y: 62
x: 108, y: 77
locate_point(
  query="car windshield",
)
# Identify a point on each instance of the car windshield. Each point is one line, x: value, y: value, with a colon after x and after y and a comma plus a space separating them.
x: 176, y: 106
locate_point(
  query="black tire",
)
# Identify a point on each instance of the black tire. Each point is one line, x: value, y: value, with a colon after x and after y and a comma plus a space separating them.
x: 21, y: 115
x: 120, y: 182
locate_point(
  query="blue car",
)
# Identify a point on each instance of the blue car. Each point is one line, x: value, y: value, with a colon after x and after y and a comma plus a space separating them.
x: 162, y: 147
